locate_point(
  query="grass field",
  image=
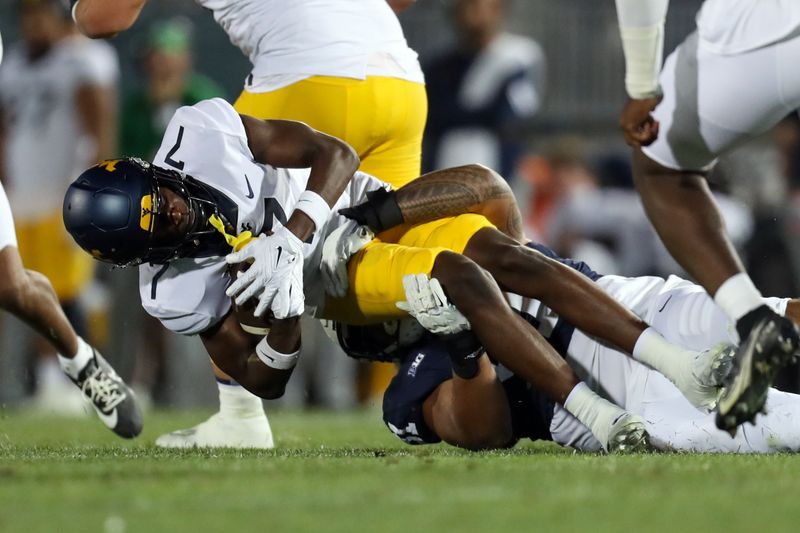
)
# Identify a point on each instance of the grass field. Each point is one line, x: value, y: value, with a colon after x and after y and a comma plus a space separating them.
x: 344, y: 472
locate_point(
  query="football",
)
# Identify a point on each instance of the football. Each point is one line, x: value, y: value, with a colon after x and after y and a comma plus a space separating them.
x: 250, y: 323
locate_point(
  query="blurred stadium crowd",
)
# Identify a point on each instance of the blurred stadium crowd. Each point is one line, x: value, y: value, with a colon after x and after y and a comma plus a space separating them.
x: 532, y: 90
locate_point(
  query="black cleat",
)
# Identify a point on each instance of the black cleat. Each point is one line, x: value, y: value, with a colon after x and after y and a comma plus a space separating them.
x: 111, y: 398
x: 771, y: 345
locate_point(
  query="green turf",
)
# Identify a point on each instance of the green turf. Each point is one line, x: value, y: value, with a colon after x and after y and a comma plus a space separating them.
x: 345, y: 472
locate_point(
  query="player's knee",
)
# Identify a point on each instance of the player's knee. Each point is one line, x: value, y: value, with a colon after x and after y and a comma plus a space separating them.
x: 467, y: 284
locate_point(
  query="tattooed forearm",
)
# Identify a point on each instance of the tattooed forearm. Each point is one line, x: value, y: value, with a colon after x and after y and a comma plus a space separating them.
x: 454, y: 191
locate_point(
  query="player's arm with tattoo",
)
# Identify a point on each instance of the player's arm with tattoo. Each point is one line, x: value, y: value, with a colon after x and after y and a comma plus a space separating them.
x: 236, y: 353
x: 443, y: 193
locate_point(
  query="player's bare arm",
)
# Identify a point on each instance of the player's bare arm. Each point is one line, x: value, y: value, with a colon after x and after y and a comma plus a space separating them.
x: 291, y: 144
x: 102, y: 18
x: 235, y: 352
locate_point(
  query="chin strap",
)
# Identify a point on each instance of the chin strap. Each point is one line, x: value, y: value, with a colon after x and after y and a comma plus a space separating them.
x: 236, y: 242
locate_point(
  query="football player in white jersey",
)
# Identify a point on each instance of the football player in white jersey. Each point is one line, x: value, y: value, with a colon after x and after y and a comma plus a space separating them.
x: 732, y: 79
x: 30, y: 296
x: 350, y: 60
x: 428, y: 401
x: 234, y: 176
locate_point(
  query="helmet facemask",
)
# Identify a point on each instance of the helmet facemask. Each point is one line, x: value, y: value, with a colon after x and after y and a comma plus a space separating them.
x: 200, y: 206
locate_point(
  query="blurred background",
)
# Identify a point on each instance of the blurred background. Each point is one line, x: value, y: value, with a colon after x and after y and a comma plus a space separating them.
x: 540, y: 105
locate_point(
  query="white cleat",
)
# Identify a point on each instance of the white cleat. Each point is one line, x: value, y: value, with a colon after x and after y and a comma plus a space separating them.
x: 702, y: 382
x: 222, y: 432
x: 628, y: 434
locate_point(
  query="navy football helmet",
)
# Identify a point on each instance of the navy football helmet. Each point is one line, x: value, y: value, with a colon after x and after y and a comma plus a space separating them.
x: 113, y: 211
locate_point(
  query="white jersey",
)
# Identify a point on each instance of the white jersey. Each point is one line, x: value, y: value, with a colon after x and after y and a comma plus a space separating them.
x: 46, y: 146
x: 208, y: 142
x: 290, y: 40
x: 736, y: 26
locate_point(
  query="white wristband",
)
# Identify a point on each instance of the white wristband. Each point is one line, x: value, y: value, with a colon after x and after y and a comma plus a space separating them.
x: 273, y: 358
x: 313, y: 205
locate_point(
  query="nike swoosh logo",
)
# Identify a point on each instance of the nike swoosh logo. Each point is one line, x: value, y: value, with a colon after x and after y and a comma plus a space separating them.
x: 249, y: 188
x: 665, y: 303
x: 280, y: 251
x: 110, y: 420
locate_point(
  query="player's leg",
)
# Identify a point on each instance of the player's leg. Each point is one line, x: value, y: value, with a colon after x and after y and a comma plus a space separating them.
x: 383, y: 119
x: 240, y: 423
x: 709, y: 108
x: 476, y: 295
x: 30, y: 296
x: 375, y: 285
x: 395, y: 111
x: 573, y: 296
x: 675, y: 425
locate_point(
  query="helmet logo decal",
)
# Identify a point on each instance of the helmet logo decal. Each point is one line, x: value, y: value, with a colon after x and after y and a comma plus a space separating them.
x: 110, y: 164
x: 146, y: 217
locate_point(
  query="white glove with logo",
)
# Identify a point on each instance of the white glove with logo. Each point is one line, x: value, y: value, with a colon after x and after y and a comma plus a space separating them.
x: 337, y: 249
x: 425, y: 301
x: 276, y: 274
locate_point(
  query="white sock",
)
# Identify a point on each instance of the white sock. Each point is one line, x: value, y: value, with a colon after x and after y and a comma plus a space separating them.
x: 656, y: 352
x: 237, y: 402
x: 594, y: 412
x: 73, y: 366
x: 738, y: 296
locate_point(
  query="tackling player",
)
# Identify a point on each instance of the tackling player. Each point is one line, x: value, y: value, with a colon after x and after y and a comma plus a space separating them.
x: 30, y: 296
x: 429, y: 400
x: 699, y: 107
x: 343, y: 68
x: 234, y: 176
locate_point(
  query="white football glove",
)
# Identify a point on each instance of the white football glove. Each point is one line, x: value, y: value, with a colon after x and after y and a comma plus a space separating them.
x: 277, y: 268
x: 425, y: 301
x: 289, y: 300
x: 337, y: 249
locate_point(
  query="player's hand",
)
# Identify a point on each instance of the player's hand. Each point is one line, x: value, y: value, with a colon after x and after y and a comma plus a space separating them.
x: 337, y: 249
x: 637, y: 122
x: 426, y: 301
x: 289, y: 300
x: 277, y: 267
